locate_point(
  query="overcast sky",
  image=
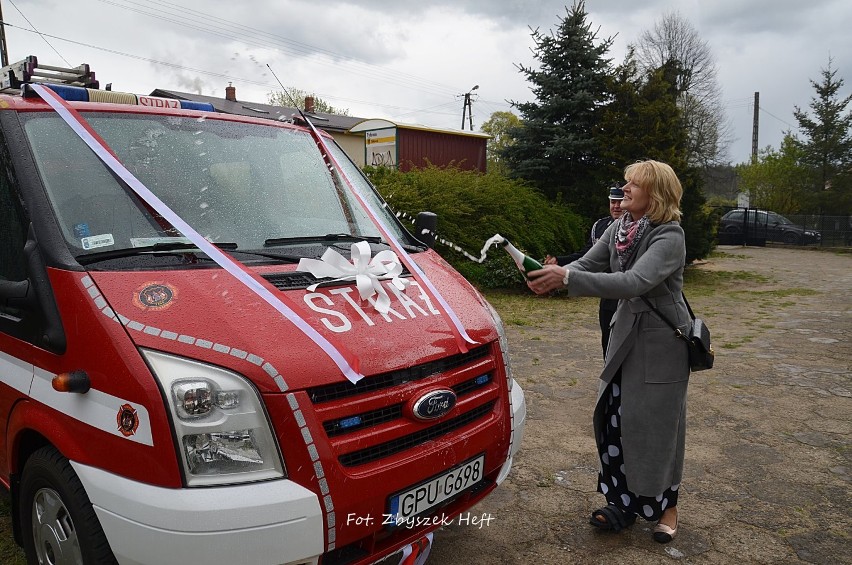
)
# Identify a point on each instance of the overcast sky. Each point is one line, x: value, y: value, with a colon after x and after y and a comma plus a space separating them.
x: 412, y: 60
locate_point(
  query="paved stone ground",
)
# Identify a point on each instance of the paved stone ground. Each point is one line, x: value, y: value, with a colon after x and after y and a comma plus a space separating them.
x: 768, y: 462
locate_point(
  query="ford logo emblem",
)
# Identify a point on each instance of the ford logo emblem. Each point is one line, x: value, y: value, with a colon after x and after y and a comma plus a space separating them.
x: 434, y: 404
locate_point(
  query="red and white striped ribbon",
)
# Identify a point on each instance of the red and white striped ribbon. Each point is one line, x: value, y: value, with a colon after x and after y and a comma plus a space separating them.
x: 418, y: 552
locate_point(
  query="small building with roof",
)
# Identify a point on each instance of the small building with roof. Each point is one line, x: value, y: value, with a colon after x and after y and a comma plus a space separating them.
x: 412, y: 146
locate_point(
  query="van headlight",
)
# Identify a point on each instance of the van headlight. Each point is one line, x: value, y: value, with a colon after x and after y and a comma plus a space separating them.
x: 504, y: 342
x: 223, y: 434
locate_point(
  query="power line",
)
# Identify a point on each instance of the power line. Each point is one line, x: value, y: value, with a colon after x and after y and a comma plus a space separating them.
x: 40, y: 34
x: 432, y: 109
x: 220, y: 27
x: 225, y: 75
x: 234, y: 31
x: 762, y: 109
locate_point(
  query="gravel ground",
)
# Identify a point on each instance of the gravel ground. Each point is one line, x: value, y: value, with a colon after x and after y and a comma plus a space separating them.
x: 768, y: 468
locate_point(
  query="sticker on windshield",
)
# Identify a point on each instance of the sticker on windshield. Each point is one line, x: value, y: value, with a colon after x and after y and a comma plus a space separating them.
x: 102, y: 240
x: 150, y: 241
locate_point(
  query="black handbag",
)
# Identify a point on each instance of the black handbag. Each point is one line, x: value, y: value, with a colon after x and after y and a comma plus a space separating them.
x: 697, y: 338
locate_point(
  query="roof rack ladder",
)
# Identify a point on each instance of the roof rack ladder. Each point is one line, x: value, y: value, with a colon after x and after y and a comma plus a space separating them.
x: 28, y: 70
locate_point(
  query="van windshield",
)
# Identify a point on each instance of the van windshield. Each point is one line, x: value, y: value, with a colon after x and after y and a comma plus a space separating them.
x: 251, y: 185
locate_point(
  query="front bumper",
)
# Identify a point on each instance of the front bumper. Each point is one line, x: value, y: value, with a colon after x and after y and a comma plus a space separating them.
x: 275, y: 522
x: 519, y: 419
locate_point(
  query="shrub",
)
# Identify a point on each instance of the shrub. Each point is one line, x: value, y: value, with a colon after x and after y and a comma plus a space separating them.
x: 472, y: 207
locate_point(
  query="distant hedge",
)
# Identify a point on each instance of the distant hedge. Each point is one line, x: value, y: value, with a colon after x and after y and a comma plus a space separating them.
x: 471, y: 207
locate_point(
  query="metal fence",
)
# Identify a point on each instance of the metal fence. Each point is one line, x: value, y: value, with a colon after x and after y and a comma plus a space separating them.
x: 756, y: 227
x: 836, y: 231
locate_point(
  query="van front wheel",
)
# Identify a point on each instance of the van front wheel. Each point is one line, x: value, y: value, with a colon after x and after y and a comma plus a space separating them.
x: 58, y: 522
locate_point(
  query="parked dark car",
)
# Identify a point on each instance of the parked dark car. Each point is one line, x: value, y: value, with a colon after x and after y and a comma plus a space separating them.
x: 766, y: 224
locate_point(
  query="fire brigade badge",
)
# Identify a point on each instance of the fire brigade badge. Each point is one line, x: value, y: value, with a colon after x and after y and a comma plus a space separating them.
x: 127, y: 420
x: 154, y: 296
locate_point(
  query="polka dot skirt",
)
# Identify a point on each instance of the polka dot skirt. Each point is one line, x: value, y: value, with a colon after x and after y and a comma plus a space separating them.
x: 612, y: 482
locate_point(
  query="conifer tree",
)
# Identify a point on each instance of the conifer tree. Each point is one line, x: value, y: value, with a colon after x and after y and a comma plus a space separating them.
x: 827, y: 144
x: 644, y: 121
x: 557, y: 147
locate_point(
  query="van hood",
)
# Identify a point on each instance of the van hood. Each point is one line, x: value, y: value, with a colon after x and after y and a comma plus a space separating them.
x: 208, y: 315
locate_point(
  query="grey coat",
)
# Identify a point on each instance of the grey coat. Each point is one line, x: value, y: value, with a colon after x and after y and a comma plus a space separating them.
x: 653, y: 362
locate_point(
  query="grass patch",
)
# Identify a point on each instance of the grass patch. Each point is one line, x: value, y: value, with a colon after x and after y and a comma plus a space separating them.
x: 772, y: 298
x: 525, y: 308
x: 716, y: 254
x: 10, y: 553
x: 702, y: 278
x: 785, y: 292
x: 739, y: 343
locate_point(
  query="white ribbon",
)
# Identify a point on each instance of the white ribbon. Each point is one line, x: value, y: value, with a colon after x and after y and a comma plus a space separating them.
x: 366, y: 272
x: 462, y: 338
x: 251, y: 280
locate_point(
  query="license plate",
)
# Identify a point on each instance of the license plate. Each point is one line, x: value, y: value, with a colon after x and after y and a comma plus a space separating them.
x: 428, y: 494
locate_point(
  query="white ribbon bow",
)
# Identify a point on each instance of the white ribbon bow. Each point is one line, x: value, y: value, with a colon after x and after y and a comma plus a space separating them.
x: 366, y: 272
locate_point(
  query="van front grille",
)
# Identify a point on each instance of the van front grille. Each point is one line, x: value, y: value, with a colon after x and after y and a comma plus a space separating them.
x: 360, y: 421
x: 354, y: 422
x: 327, y: 393
x: 386, y: 449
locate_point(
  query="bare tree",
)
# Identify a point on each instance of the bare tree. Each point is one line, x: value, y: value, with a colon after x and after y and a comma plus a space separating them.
x: 674, y: 44
x: 295, y: 97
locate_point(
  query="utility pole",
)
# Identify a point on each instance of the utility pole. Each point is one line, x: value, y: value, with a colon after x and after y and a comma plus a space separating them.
x: 468, y: 108
x: 754, y: 127
x: 4, y: 53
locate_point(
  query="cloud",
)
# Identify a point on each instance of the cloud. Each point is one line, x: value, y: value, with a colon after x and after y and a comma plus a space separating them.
x: 411, y: 60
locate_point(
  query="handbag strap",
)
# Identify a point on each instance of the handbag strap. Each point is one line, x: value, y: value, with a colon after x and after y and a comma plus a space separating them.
x: 688, y: 307
x: 676, y: 329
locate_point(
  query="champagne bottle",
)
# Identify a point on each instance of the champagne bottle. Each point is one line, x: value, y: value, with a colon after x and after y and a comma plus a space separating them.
x: 525, y: 263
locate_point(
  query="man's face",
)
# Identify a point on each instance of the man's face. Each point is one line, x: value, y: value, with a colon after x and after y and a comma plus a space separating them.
x: 615, y: 209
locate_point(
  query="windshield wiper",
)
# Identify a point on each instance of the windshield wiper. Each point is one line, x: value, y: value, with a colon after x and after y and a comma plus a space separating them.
x: 166, y: 247
x: 321, y: 239
x: 171, y: 245
x: 280, y: 256
x: 332, y: 237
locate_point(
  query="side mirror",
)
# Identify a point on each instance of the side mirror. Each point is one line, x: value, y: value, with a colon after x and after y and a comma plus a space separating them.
x: 425, y: 225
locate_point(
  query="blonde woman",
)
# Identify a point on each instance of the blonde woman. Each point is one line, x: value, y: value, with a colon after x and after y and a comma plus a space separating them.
x: 640, y: 415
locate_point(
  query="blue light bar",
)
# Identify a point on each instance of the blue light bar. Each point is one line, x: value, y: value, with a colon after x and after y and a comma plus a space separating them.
x: 70, y: 93
x: 482, y: 379
x: 350, y: 422
x: 80, y: 94
x: 190, y: 105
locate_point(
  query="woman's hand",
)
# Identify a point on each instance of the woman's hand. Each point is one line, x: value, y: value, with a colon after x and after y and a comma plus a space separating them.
x: 546, y: 279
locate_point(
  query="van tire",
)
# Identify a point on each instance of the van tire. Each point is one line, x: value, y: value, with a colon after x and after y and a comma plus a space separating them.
x: 66, y: 522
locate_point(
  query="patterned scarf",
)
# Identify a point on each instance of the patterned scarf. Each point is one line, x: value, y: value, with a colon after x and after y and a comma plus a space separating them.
x: 627, y: 237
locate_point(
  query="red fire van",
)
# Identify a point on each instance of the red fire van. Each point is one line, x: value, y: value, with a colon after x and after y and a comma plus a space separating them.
x: 177, y: 386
